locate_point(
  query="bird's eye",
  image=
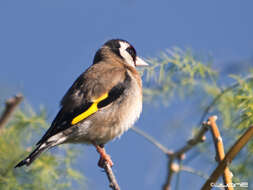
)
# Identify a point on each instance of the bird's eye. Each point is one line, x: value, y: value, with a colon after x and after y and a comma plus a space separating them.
x: 132, y: 52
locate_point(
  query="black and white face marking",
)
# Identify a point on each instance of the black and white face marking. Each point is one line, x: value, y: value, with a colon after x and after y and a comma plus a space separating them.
x: 128, y: 53
x: 125, y: 51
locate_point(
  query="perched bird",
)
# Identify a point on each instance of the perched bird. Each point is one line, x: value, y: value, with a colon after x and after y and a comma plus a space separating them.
x: 102, y: 103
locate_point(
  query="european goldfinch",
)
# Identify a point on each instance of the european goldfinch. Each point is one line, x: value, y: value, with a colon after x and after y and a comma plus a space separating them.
x: 102, y: 104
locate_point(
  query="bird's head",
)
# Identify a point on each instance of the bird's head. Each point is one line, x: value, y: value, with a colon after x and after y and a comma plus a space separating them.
x: 121, y: 49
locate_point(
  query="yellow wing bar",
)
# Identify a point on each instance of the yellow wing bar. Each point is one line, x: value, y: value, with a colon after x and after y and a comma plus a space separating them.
x: 92, y: 109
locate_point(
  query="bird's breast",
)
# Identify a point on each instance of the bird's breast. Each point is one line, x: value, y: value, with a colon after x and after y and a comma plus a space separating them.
x: 130, y: 109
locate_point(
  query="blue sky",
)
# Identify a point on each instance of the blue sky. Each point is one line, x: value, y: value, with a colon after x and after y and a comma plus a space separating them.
x: 45, y: 45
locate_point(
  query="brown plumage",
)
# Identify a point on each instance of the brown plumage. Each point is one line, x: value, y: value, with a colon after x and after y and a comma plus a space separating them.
x: 102, y: 103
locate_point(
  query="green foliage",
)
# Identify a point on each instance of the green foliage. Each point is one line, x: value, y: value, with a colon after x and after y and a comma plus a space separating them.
x: 243, y: 101
x: 49, y: 171
x: 177, y: 72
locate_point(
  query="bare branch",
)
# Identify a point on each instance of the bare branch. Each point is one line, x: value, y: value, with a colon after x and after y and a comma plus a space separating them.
x: 198, y: 138
x: 152, y: 140
x: 176, y: 168
x: 220, y: 153
x: 233, y: 151
x: 171, y: 170
x: 10, y: 106
x: 194, y: 172
x: 111, y: 177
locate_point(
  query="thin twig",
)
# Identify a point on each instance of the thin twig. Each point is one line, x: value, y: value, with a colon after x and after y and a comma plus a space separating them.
x: 152, y: 140
x: 10, y: 106
x: 215, y: 100
x: 179, y: 155
x: 170, y: 172
x: 194, y: 172
x: 198, y: 138
x: 111, y: 177
x: 197, y: 173
x: 220, y: 153
x: 208, y: 108
x: 178, y: 175
x: 233, y: 151
x: 176, y: 169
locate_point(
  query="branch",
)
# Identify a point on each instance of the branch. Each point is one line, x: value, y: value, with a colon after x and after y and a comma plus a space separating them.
x: 220, y: 154
x: 234, y: 150
x: 111, y: 177
x: 194, y: 172
x: 10, y: 106
x: 152, y: 140
x: 172, y: 168
x: 198, y: 138
x: 176, y: 168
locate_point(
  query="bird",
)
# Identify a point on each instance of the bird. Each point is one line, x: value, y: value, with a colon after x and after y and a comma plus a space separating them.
x: 102, y: 103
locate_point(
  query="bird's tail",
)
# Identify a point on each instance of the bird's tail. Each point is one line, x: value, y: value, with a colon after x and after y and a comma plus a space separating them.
x: 38, y: 150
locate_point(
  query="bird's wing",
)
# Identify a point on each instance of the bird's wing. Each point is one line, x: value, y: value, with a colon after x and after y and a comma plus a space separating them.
x: 93, y: 90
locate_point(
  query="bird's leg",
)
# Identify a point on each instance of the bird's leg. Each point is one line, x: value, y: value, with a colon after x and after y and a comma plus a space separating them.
x: 104, y: 157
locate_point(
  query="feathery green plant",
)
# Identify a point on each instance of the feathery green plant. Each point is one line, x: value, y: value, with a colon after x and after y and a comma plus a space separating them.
x: 49, y: 171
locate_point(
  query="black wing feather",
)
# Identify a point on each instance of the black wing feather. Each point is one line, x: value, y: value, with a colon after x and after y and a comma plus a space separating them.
x: 62, y: 121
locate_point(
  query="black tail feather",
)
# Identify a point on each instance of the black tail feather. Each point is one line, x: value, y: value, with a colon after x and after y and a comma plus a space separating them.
x: 29, y: 159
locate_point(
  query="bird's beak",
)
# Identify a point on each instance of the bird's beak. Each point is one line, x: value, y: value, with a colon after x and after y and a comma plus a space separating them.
x: 140, y: 62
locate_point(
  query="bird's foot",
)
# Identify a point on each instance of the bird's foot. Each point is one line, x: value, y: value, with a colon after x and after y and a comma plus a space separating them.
x: 104, y: 157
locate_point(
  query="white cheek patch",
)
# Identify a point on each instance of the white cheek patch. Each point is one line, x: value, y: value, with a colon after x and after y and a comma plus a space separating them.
x: 128, y: 58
